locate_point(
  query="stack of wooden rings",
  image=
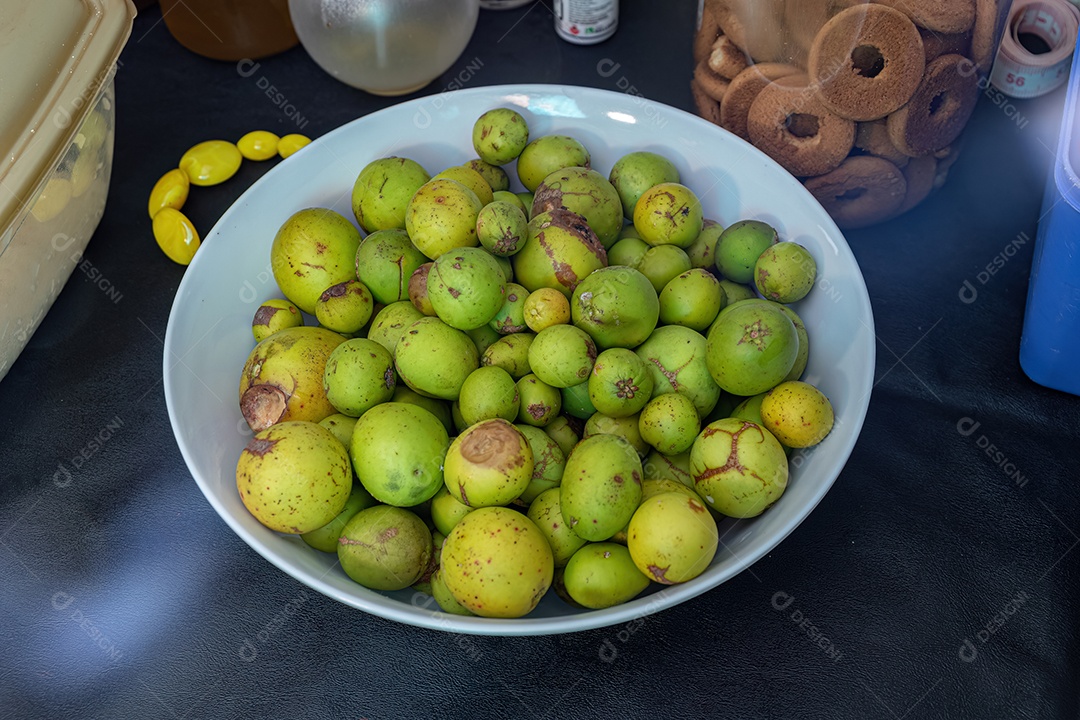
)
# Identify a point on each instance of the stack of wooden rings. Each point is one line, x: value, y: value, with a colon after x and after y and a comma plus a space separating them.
x: 863, y: 101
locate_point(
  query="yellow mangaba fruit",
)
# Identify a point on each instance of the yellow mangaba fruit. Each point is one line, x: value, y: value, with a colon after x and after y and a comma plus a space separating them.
x: 294, y: 477
x: 258, y: 145
x: 312, y: 250
x: 170, y: 191
x: 497, y: 563
x: 672, y: 538
x: 211, y: 162
x: 797, y: 413
x: 441, y: 216
x: 175, y: 235
x: 283, y: 377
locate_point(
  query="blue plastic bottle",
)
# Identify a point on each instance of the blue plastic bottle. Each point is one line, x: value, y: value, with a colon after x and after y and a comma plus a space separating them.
x: 1050, y: 345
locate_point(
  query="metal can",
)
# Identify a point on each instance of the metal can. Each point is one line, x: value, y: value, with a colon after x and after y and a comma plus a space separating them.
x: 586, y: 22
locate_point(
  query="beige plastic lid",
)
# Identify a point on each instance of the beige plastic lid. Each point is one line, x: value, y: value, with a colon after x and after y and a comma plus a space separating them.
x: 56, y: 56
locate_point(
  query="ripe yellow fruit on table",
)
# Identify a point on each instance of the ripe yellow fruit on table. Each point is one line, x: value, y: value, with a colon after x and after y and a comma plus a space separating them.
x: 291, y: 143
x: 175, y: 235
x: 211, y: 162
x: 170, y: 191
x: 258, y: 145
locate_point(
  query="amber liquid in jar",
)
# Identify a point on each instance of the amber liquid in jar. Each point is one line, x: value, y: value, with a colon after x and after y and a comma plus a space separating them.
x: 230, y: 29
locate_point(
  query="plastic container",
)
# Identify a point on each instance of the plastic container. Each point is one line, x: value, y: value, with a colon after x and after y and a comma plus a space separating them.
x: 862, y: 101
x: 1050, y: 344
x: 586, y: 22
x: 56, y: 133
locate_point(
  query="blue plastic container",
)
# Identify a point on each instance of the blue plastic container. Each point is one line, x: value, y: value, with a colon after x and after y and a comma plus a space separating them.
x: 1050, y: 345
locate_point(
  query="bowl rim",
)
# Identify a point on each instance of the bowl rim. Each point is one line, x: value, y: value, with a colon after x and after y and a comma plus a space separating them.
x: 667, y: 596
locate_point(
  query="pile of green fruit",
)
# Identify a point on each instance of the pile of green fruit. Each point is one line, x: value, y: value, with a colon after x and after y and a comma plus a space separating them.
x: 512, y: 391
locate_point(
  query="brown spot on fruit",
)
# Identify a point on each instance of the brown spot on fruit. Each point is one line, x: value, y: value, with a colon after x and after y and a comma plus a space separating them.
x: 260, y: 446
x: 658, y: 574
x: 263, y: 315
x: 263, y: 405
x: 454, y: 292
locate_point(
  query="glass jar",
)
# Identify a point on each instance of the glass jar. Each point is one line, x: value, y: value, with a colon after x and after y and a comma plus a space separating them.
x: 862, y: 101
x: 230, y: 29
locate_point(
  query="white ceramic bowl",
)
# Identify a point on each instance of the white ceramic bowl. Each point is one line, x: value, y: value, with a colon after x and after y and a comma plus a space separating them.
x: 209, y: 331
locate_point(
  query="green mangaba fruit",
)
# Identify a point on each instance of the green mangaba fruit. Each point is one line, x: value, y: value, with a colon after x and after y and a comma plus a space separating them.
x: 510, y: 318
x: 499, y: 135
x: 489, y: 392
x: 670, y: 423
x: 511, y: 353
x: 739, y: 246
x: 562, y: 356
x: 617, y: 306
x: 738, y: 467
x: 576, y: 401
x: 466, y: 288
x: 313, y: 249
x: 345, y: 308
x: 734, y: 292
x: 483, y: 337
x: 658, y: 466
x: 418, y: 289
x: 382, y: 192
x: 273, y: 315
x: 692, y: 300
x: 502, y: 228
x: 546, y: 511
x: 549, y: 461
x: 663, y: 263
x: 495, y: 176
x: 497, y: 563
x: 283, y: 377
x: 751, y: 347
x: 434, y: 359
x: 294, y: 477
x: 785, y: 272
x: 390, y: 323
x: 601, y: 486
x: 672, y: 538
x: 560, y: 251
x: 804, y: 343
x: 385, y: 261
x: 471, y: 179
x: 447, y: 510
x: 445, y: 598
x: 545, y: 155
x: 439, y: 408
x: 341, y: 426
x: 587, y: 193
x: 490, y: 463
x: 512, y: 198
x: 636, y: 172
x: 397, y: 452
x: 601, y: 575
x: 385, y: 548
x: 702, y: 252
x: 326, y: 537
x: 359, y: 375
x: 628, y: 251
x: 676, y: 357
x: 626, y: 427
x: 620, y: 383
x: 441, y: 216
x: 563, y: 433
x: 668, y: 214
x: 539, y: 402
